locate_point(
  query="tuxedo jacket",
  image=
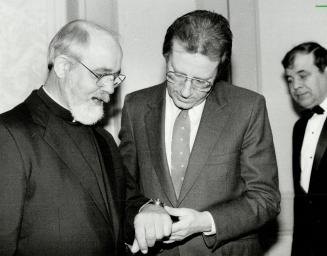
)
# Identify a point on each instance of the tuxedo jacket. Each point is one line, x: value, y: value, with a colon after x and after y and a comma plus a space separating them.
x: 231, y: 173
x: 310, y: 211
x: 51, y: 202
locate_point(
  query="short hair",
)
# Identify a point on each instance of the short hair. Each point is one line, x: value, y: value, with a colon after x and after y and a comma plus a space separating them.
x: 201, y: 31
x: 319, y: 54
x: 74, y: 34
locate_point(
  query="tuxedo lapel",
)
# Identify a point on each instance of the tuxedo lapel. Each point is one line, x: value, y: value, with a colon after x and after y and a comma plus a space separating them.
x: 321, y: 147
x: 155, y: 127
x: 67, y: 150
x: 298, y: 137
x: 212, y: 122
x: 316, y: 176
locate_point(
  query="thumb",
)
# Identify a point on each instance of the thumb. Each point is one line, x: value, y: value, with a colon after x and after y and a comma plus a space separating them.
x: 135, y: 247
x: 174, y: 211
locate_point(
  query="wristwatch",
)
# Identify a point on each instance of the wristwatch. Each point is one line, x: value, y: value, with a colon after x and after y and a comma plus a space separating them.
x: 153, y: 201
x: 156, y: 202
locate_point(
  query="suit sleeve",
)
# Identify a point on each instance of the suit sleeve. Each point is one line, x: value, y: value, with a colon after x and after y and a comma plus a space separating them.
x: 127, y: 145
x: 128, y: 152
x: 259, y: 202
x: 12, y: 192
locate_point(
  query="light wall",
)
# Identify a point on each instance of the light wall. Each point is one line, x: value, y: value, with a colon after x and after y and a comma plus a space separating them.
x: 281, y: 25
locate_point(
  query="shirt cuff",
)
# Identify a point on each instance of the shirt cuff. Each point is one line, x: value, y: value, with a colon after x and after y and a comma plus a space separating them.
x: 213, y: 226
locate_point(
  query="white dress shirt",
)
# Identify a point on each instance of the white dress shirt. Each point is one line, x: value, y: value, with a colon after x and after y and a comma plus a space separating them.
x: 309, y: 145
x: 195, y: 113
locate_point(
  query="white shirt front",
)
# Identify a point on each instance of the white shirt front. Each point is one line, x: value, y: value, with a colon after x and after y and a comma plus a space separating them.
x: 309, y: 145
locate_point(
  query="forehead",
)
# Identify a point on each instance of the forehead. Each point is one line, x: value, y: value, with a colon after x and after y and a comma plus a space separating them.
x: 194, y: 63
x: 103, y: 52
x: 302, y: 62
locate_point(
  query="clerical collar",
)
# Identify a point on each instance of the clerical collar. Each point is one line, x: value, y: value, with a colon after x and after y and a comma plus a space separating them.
x: 55, y: 107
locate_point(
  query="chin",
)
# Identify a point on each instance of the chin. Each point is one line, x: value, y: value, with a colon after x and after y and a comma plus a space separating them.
x: 183, y: 105
x: 87, y: 114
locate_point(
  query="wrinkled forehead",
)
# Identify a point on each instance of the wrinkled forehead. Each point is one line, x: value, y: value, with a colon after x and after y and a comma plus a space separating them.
x: 103, y: 51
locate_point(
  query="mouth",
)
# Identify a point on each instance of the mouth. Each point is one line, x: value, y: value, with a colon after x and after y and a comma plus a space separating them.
x: 100, y: 99
x: 300, y: 95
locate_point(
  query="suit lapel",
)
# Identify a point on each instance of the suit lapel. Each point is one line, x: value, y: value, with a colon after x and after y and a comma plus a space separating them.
x: 109, y: 164
x: 212, y: 122
x: 320, y: 151
x: 298, y: 137
x: 71, y: 155
x: 155, y: 127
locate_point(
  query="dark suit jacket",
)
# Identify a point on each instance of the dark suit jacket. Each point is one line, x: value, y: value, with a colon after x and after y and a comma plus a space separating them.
x: 310, y: 211
x: 50, y: 200
x: 232, y: 170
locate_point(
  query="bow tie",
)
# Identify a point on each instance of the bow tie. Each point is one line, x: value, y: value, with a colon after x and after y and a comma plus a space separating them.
x: 308, y: 113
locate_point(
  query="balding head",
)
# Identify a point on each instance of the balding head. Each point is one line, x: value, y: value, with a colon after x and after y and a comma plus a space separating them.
x: 75, y: 37
x: 84, y: 64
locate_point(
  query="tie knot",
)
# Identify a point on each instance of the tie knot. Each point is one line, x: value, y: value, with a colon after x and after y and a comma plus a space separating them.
x: 184, y: 113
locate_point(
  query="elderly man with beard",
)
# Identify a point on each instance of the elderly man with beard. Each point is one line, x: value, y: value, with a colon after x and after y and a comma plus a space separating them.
x: 63, y: 189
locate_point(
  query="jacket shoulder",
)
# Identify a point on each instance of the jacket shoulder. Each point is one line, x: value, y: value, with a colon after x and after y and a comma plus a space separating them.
x: 240, y: 92
x: 144, y: 95
x: 17, y: 117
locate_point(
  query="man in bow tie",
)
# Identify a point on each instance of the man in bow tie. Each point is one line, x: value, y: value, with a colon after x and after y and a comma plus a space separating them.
x: 306, y: 75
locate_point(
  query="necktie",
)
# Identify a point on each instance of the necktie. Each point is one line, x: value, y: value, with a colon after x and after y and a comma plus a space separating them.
x: 180, y: 149
x: 308, y: 113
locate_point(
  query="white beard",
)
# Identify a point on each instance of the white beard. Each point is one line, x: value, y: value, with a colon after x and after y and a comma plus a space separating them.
x: 87, y: 113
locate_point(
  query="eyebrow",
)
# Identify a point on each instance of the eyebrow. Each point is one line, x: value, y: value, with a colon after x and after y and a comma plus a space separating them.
x: 106, y: 71
x: 176, y: 71
x: 302, y: 71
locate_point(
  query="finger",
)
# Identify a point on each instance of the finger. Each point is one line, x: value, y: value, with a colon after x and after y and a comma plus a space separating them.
x: 178, y: 226
x: 141, y: 240
x: 174, y: 211
x: 135, y: 247
x: 159, y: 229
x: 174, y: 238
x: 168, y: 241
x: 150, y: 234
x: 167, y: 227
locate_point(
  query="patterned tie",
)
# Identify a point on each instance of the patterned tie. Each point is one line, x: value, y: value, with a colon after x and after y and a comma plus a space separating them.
x: 180, y: 149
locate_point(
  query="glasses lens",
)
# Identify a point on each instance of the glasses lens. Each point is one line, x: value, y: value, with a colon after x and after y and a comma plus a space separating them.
x: 175, y: 77
x: 106, y: 80
x: 119, y: 79
x: 200, y: 84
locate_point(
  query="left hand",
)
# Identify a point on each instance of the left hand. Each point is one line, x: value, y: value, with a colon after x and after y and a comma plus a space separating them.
x: 190, y: 222
x: 151, y: 224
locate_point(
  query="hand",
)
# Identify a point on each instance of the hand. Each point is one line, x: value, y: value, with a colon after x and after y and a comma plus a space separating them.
x: 189, y: 222
x: 151, y: 224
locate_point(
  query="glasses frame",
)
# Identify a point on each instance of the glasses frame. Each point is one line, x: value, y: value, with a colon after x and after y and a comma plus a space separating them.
x: 207, y: 83
x: 114, y: 76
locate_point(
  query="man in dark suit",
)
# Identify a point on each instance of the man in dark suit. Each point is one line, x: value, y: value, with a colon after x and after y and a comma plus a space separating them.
x: 306, y: 75
x: 63, y: 188
x: 203, y: 146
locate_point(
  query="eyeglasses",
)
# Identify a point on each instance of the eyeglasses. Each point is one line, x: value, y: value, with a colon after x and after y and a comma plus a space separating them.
x: 198, y: 84
x: 105, y: 79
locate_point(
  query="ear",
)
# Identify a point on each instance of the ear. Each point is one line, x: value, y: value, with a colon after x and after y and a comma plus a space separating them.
x: 61, y: 66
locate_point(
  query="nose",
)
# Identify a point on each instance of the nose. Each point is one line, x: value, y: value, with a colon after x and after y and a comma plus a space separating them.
x: 186, y: 90
x: 297, y: 84
x: 108, y: 87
